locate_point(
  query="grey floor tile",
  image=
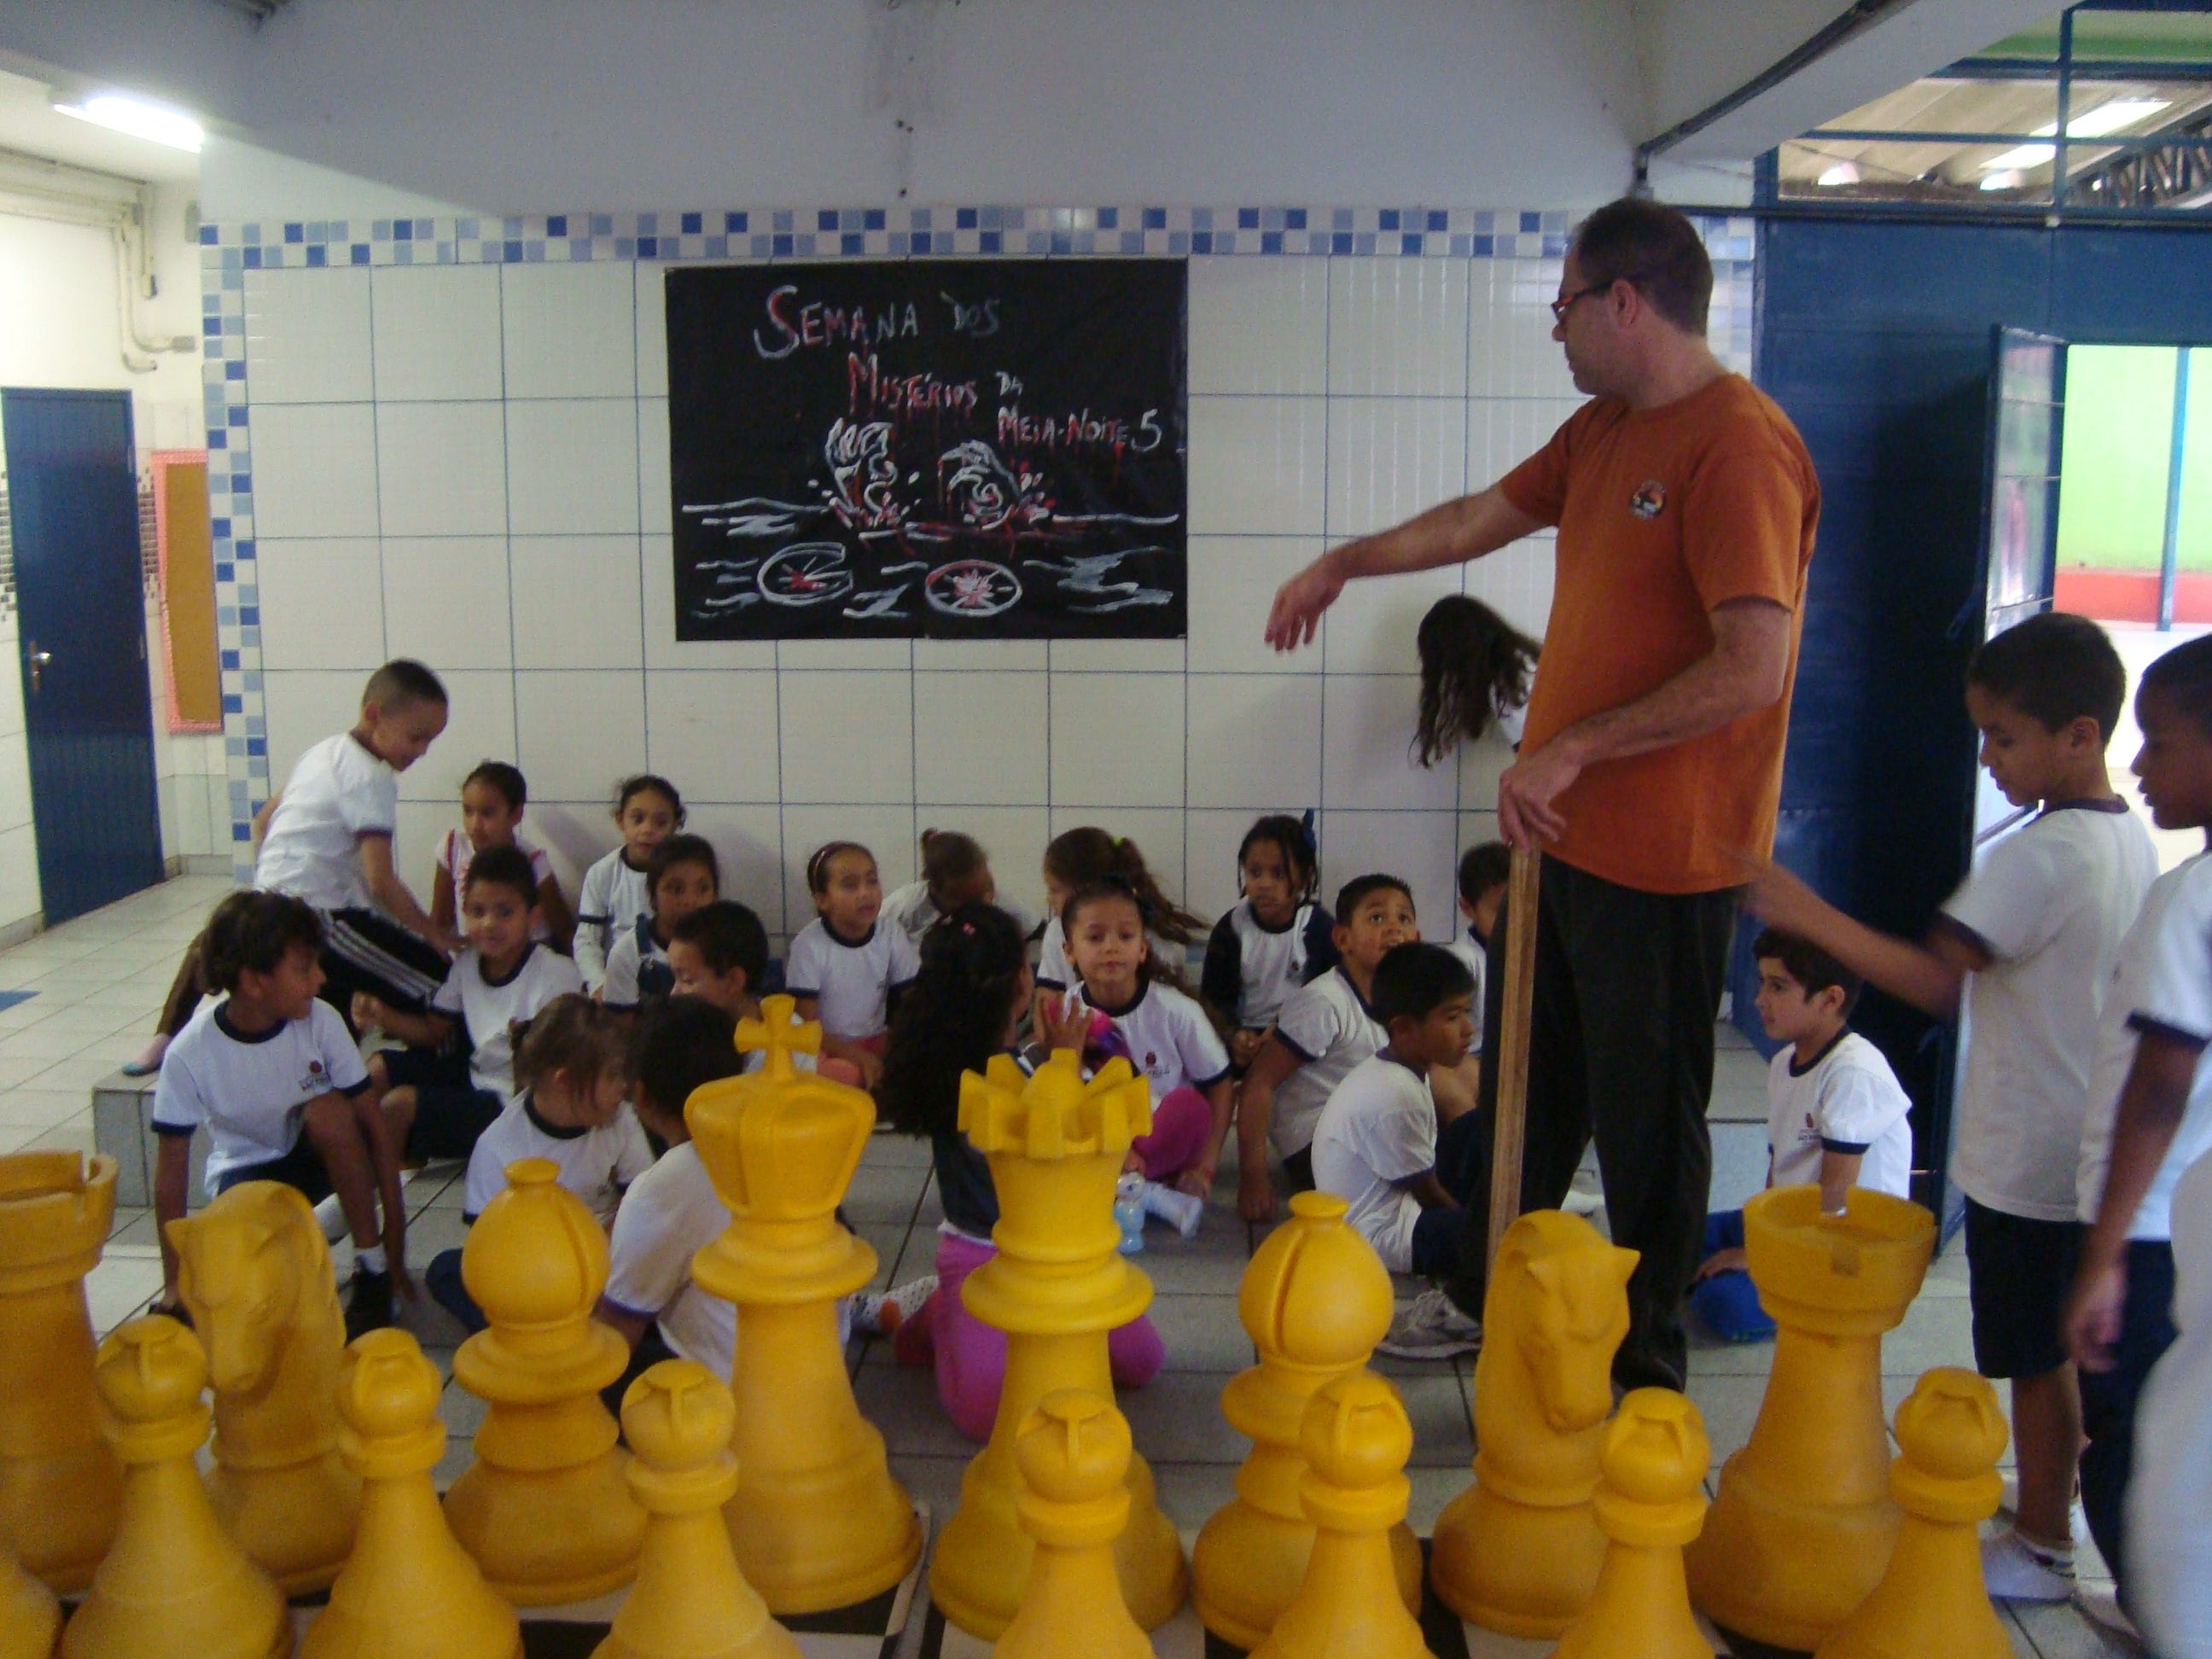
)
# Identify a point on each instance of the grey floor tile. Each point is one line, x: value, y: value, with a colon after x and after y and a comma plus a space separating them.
x: 1177, y: 1418
x: 1710, y: 1357
x: 1933, y: 1333
x: 882, y: 1194
x: 901, y: 1403
x: 1202, y: 1333
x: 2063, y: 1632
x: 432, y: 1229
x: 1190, y: 1493
x: 1433, y: 1488
x: 1443, y: 1431
x: 932, y: 1479
x: 462, y: 1411
x: 1729, y: 1405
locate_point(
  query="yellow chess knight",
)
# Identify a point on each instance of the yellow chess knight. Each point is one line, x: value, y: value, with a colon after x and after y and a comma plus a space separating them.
x: 816, y: 1521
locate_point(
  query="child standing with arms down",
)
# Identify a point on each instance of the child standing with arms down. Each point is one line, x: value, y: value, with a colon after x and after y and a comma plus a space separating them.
x: 845, y: 966
x: 682, y: 875
x: 648, y: 811
x: 1276, y: 939
x: 492, y: 801
x: 2028, y: 944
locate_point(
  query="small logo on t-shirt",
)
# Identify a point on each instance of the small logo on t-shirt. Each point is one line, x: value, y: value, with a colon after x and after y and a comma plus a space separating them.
x: 1151, y: 1061
x: 1649, y: 499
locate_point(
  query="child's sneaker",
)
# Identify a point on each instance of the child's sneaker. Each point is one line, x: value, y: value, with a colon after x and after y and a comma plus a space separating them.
x: 1180, y: 1210
x: 2014, y: 1570
x: 369, y: 1303
x: 1431, y: 1328
x: 883, y: 1312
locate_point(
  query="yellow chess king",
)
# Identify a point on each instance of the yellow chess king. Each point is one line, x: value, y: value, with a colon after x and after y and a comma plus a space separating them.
x: 30, y: 1617
x: 1650, y: 1503
x: 1519, y: 1551
x: 816, y: 1521
x: 1803, y: 1522
x: 1074, y: 1455
x: 59, y: 1482
x: 408, y: 1589
x: 545, y: 1508
x: 175, y: 1585
x: 1932, y: 1601
x: 1314, y: 1301
x: 689, y: 1600
x: 1056, y: 1287
x: 255, y: 1274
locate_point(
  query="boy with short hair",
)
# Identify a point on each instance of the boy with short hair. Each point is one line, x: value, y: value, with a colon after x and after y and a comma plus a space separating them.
x: 1326, y: 1028
x: 1377, y: 1145
x: 2028, y: 944
x: 682, y: 875
x: 272, y: 1074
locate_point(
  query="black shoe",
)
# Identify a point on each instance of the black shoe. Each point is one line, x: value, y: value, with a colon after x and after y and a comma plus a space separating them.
x: 369, y: 1303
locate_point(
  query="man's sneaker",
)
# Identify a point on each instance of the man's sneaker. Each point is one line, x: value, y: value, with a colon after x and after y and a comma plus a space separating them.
x: 1431, y: 1328
x: 1180, y: 1210
x: 2014, y: 1570
x: 369, y: 1303
x: 885, y: 1311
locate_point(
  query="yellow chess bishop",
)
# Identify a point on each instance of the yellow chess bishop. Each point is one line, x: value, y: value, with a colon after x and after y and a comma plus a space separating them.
x: 175, y: 1585
x: 255, y: 1274
x: 408, y: 1589
x: 30, y: 1617
x: 689, y: 1600
x: 1932, y: 1600
x: 1074, y: 1456
x: 1803, y: 1523
x: 1650, y: 1503
x: 816, y: 1521
x: 60, y: 1485
x: 1314, y: 1301
x: 1519, y: 1551
x: 545, y: 1508
x: 1057, y: 1286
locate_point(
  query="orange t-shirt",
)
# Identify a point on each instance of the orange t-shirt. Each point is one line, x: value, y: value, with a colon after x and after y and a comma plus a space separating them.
x: 1663, y: 514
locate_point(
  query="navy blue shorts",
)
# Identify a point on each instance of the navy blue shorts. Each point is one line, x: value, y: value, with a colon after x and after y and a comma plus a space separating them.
x: 2021, y: 1270
x: 300, y: 1168
x: 450, y: 1111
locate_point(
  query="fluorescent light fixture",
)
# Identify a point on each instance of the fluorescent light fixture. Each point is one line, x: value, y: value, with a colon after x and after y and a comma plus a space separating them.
x: 122, y: 113
x: 1844, y: 173
x: 2098, y: 122
x: 2000, y: 181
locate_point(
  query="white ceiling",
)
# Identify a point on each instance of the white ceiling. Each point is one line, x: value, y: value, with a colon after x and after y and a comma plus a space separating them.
x: 30, y: 125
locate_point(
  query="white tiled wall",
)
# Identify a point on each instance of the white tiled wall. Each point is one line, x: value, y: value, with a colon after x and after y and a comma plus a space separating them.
x: 469, y: 464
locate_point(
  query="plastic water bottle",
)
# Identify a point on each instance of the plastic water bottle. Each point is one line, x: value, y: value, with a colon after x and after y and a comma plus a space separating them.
x: 1129, y: 1212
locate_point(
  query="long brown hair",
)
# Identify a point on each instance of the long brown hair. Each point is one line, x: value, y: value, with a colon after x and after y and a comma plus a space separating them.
x: 1474, y: 663
x: 1087, y: 855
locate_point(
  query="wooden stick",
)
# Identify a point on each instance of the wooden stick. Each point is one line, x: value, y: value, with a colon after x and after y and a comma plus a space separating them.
x: 1508, y: 1134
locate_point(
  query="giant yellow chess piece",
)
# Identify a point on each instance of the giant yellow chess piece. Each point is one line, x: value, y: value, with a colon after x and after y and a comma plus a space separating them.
x: 255, y: 1274
x: 1803, y: 1523
x: 1314, y: 1301
x: 1057, y: 1286
x: 817, y: 1522
x: 60, y: 1485
x: 30, y: 1617
x: 1519, y: 1551
x: 1649, y: 1503
x: 175, y: 1585
x: 545, y: 1508
x: 408, y: 1589
x: 1074, y: 1455
x: 1932, y: 1600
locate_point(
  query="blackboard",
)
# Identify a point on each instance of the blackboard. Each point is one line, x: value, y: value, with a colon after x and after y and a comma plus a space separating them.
x: 954, y: 449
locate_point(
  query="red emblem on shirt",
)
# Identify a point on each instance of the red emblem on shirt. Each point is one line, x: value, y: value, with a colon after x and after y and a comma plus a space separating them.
x: 1649, y: 499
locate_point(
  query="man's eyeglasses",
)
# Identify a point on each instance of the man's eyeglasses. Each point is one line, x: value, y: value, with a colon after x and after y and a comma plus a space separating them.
x: 1565, y: 303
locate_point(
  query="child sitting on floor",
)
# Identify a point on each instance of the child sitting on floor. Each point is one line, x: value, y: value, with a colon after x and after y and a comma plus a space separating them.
x: 718, y: 954
x: 955, y: 871
x: 845, y: 969
x: 682, y: 875
x: 1274, y: 941
x: 492, y: 801
x: 648, y: 811
x: 1082, y: 856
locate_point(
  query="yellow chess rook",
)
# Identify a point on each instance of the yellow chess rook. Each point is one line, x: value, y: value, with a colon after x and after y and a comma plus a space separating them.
x: 255, y: 1274
x: 689, y: 1600
x: 1519, y: 1551
x: 545, y: 1508
x: 408, y: 1589
x: 175, y: 1585
x: 816, y: 1521
x: 1057, y: 1286
x: 1803, y: 1522
x: 1074, y: 1456
x: 30, y: 1617
x: 1932, y: 1600
x: 1356, y: 1437
x: 1650, y: 1502
x: 1314, y: 1301
x: 60, y: 1485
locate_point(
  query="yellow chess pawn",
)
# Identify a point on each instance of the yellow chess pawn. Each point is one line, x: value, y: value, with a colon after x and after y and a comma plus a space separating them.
x: 543, y: 1509
x: 408, y: 1589
x: 1519, y: 1551
x: 817, y: 1522
x: 175, y: 1585
x: 60, y: 1485
x: 1803, y: 1523
x: 689, y: 1600
x: 1314, y: 1301
x: 1650, y: 1502
x: 1057, y: 1286
x: 255, y: 1274
x: 1074, y: 1455
x: 1931, y: 1600
x: 1355, y: 1438
x: 30, y: 1617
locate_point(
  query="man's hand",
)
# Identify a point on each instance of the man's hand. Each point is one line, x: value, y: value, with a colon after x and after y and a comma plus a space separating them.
x: 2091, y: 1323
x: 1299, y: 602
x: 1527, y: 791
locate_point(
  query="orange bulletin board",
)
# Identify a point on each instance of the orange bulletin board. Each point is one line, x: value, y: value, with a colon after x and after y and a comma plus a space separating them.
x: 185, y: 544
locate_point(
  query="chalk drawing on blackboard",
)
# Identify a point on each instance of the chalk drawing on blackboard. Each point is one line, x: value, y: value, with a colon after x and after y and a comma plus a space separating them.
x: 972, y: 587
x: 1085, y: 574
x: 805, y: 573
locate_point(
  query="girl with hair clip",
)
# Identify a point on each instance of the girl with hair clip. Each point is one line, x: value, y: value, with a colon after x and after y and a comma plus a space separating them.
x: 1278, y: 937
x: 1476, y: 668
x: 955, y: 871
x: 847, y: 968
x: 964, y: 1006
x: 1081, y: 857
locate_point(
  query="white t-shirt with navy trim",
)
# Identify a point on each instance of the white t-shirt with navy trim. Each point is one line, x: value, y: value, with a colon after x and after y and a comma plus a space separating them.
x: 668, y: 1217
x: 489, y: 1007
x: 247, y: 1090
x: 851, y: 980
x: 1330, y: 1029
x: 1169, y: 1039
x: 610, y: 902
x: 637, y: 968
x: 339, y: 792
x: 1055, y: 972
x: 595, y: 1163
x: 1251, y: 969
x: 1847, y: 1100
x: 2051, y: 903
x: 1379, y: 1128
x: 456, y: 853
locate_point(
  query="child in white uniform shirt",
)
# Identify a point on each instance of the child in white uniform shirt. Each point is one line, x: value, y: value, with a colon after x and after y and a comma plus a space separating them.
x: 1485, y: 870
x: 955, y: 871
x: 682, y: 875
x: 1079, y: 858
x: 844, y: 967
x: 492, y: 799
x: 648, y: 811
x: 1275, y: 939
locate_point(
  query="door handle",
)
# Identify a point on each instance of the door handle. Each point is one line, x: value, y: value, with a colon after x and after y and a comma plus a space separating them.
x: 37, y: 659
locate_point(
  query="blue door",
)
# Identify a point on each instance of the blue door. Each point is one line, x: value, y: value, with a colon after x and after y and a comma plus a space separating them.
x: 81, y: 617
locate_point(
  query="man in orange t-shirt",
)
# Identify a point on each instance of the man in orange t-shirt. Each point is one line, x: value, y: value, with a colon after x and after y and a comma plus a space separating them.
x: 1686, y: 506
